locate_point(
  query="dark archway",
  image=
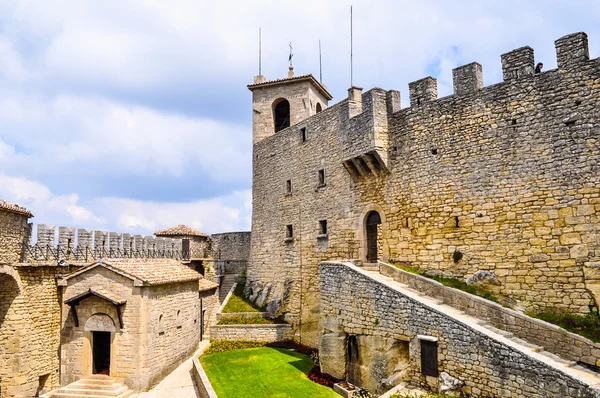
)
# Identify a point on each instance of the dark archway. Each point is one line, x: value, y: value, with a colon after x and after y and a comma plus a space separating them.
x: 319, y: 108
x: 9, y: 290
x: 373, y: 221
x: 281, y: 114
x: 353, y: 360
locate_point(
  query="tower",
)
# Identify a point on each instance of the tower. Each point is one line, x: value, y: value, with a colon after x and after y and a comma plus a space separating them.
x: 281, y: 103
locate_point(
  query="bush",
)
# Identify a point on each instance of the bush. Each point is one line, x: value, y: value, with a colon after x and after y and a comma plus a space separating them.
x: 228, y: 345
x: 324, y: 379
x: 241, y: 320
x: 587, y: 326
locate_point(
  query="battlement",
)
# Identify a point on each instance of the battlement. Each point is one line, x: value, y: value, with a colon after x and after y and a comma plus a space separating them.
x: 85, y: 245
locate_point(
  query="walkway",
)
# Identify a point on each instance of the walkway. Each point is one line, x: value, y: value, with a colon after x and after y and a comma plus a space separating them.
x: 179, y: 384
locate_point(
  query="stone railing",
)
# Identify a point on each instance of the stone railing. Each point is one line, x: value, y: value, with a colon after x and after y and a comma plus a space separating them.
x: 552, y: 338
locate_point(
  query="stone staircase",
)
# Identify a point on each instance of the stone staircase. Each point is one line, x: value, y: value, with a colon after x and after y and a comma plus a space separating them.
x: 95, y: 386
x: 226, y: 283
x: 591, y: 377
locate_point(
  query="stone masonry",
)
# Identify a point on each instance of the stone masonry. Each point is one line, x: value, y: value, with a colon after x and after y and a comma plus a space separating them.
x: 505, y: 174
x: 385, y: 320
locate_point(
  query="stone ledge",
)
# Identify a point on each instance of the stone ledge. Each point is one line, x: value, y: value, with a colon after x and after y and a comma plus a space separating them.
x: 266, y: 333
x: 533, y: 330
x: 205, y: 389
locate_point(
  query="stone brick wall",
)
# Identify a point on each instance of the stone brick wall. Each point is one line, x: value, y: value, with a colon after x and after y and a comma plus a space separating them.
x: 176, y: 338
x: 516, y: 164
x: 210, y: 302
x: 270, y: 333
x: 384, y: 316
x: 14, y: 232
x: 231, y: 246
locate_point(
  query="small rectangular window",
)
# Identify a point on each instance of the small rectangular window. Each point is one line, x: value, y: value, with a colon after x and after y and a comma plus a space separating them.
x: 288, y: 187
x: 303, y: 134
x: 429, y: 358
x: 321, y: 177
x: 323, y: 227
x: 289, y: 231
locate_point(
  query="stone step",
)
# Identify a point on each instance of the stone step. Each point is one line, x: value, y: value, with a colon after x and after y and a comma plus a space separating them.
x: 97, y: 386
x: 77, y: 388
x: 532, y: 347
x: 564, y: 362
x: 86, y: 385
x: 97, y: 382
x: 126, y: 394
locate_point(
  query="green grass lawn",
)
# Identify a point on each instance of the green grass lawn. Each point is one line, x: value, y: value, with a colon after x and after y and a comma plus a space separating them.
x: 262, y: 372
x: 237, y: 303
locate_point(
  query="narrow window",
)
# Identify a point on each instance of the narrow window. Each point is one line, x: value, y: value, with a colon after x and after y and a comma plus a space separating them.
x: 289, y: 232
x: 281, y: 114
x: 321, y: 177
x: 288, y: 187
x: 323, y: 227
x: 456, y: 224
x: 319, y: 108
x: 429, y: 358
x: 303, y: 133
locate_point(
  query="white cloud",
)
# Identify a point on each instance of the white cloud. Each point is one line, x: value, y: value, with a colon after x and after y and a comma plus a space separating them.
x: 226, y: 213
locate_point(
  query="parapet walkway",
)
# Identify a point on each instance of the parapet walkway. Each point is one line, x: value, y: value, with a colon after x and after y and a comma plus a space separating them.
x: 571, y: 368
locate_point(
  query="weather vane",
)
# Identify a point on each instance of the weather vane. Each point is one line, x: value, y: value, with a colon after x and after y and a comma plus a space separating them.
x: 291, y: 54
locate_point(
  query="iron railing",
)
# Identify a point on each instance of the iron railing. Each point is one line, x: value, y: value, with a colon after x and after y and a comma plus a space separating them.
x: 58, y: 253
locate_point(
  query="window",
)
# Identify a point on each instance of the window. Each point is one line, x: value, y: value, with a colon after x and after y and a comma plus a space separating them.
x: 303, y: 134
x: 322, y: 229
x: 319, y: 108
x: 321, y: 177
x: 288, y: 187
x: 289, y: 232
x: 178, y: 319
x: 281, y: 114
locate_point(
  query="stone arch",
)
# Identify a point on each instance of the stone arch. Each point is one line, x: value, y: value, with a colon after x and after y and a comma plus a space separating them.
x: 10, y: 271
x: 100, y: 322
x: 281, y: 114
x: 319, y: 107
x: 362, y: 231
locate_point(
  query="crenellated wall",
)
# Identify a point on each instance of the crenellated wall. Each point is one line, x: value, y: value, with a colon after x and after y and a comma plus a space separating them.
x: 506, y: 174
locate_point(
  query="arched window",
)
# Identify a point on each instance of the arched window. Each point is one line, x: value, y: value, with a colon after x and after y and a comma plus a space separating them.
x: 319, y: 108
x: 281, y: 114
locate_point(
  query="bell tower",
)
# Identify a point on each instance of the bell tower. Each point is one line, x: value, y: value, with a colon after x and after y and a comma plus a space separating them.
x: 281, y: 103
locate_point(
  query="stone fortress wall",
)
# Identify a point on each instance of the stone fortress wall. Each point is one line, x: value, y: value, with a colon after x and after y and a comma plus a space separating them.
x: 506, y: 174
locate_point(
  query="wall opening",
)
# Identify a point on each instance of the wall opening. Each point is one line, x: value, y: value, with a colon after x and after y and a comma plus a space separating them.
x: 303, y: 134
x: 429, y: 358
x: 185, y: 248
x: 288, y: 187
x: 101, y: 353
x: 319, y: 107
x: 289, y: 232
x: 9, y: 290
x: 353, y: 360
x: 323, y: 227
x: 321, y: 177
x: 373, y: 222
x: 281, y: 114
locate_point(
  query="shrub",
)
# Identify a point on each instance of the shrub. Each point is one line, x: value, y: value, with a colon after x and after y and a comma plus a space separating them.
x: 241, y: 320
x: 457, y: 256
x: 587, y: 326
x: 324, y: 379
x: 228, y: 345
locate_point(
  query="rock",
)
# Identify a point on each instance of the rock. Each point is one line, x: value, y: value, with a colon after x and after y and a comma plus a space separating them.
x: 262, y: 298
x: 273, y: 307
x: 483, y: 278
x: 449, y: 385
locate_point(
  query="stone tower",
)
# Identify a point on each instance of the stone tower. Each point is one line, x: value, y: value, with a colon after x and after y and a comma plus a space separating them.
x: 281, y: 103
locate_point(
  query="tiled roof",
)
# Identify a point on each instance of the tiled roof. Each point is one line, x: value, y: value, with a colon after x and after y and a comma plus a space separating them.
x: 180, y: 230
x: 205, y: 284
x: 308, y: 77
x: 154, y: 271
x: 15, y: 208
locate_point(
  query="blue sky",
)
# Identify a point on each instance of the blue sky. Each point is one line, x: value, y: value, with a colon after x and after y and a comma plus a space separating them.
x: 133, y: 115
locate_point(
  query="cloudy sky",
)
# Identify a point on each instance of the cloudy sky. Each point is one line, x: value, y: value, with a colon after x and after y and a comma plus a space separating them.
x: 133, y: 115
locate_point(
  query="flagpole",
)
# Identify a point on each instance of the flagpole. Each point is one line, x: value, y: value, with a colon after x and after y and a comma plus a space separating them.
x: 351, y: 66
x: 320, y: 64
x: 259, y: 51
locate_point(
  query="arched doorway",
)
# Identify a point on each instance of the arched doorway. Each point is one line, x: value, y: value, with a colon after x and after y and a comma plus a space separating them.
x: 102, y: 327
x: 373, y: 222
x: 281, y: 114
x: 9, y: 290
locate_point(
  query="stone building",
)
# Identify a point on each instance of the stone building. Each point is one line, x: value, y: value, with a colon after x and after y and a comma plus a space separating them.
x: 503, y: 178
x: 194, y: 244
x: 132, y: 319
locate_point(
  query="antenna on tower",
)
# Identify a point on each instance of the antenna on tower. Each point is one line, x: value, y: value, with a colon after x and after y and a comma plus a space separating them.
x: 320, y: 64
x: 351, y: 69
x: 259, y: 51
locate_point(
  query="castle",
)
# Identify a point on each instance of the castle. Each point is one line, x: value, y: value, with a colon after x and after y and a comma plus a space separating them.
x: 500, y: 179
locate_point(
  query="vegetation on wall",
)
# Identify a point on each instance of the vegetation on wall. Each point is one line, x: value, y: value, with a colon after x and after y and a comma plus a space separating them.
x: 587, y: 326
x: 450, y: 282
x: 242, y: 320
